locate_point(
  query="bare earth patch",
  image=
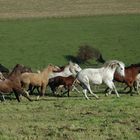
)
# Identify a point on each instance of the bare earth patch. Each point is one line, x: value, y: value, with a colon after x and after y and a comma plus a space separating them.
x: 66, y: 8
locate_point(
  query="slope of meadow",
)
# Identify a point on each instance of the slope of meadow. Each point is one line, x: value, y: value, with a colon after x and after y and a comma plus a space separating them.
x: 37, y: 42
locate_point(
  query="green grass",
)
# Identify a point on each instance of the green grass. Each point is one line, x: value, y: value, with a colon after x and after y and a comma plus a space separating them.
x: 71, y: 118
x: 37, y: 42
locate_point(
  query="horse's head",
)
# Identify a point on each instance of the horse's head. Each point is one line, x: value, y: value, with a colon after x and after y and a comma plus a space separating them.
x: 18, y: 69
x: 25, y: 69
x: 74, y: 68
x: 121, y: 68
x: 53, y: 68
x: 116, y: 66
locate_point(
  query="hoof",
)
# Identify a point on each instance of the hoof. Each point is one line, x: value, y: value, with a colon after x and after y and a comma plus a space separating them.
x: 37, y: 98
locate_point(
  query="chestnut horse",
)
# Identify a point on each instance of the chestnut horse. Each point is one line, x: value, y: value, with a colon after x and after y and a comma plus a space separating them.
x: 131, y: 73
x: 38, y: 79
x: 12, y: 83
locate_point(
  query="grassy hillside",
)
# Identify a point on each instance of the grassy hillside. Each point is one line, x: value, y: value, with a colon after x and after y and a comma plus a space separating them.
x: 37, y: 42
x: 60, y: 8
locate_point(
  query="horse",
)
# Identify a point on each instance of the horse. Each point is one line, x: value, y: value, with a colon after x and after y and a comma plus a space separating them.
x: 137, y: 83
x: 66, y: 82
x: 38, y: 79
x: 131, y: 73
x: 70, y: 69
x: 12, y: 83
x: 99, y: 75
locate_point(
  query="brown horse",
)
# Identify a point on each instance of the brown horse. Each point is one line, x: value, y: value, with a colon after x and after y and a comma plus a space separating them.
x: 67, y: 82
x: 12, y: 83
x: 130, y: 76
x: 38, y: 79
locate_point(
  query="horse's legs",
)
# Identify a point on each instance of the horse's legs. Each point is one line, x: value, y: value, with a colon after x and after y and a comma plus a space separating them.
x: 17, y: 95
x: 42, y: 91
x: 53, y: 89
x: 85, y: 92
x: 32, y: 88
x: 137, y: 84
x: 106, y: 90
x: 109, y: 91
x: 3, y: 98
x: 74, y: 85
x: 26, y: 94
x: 74, y: 88
x: 126, y: 87
x: 68, y: 87
x: 87, y: 86
x: 111, y: 85
x: 89, y: 89
x: 23, y: 93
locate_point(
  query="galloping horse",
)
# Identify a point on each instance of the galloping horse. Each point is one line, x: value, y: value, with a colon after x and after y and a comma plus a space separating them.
x: 12, y: 83
x: 97, y: 76
x: 67, y: 82
x: 131, y: 73
x: 38, y: 79
x: 70, y: 69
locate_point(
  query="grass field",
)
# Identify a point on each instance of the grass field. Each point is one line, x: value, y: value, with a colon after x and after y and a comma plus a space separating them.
x: 30, y: 35
x: 37, y: 42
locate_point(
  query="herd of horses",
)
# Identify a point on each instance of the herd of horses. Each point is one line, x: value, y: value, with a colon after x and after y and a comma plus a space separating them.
x: 21, y: 80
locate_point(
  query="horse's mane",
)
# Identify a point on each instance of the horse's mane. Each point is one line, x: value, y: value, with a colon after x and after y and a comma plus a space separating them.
x: 47, y: 68
x: 108, y: 63
x: 61, y: 68
x: 17, y: 67
x: 134, y: 65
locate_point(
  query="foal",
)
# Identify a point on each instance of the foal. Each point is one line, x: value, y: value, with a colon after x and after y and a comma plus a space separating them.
x: 67, y: 82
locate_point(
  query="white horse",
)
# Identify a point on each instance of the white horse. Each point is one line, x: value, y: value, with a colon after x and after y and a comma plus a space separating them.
x: 70, y: 69
x: 99, y: 75
x: 137, y: 83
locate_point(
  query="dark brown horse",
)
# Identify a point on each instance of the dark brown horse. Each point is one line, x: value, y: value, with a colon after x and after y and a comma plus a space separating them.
x: 12, y: 83
x: 130, y: 76
x: 67, y: 82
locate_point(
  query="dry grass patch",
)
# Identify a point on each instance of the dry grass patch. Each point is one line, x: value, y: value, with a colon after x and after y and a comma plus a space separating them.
x: 58, y: 8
